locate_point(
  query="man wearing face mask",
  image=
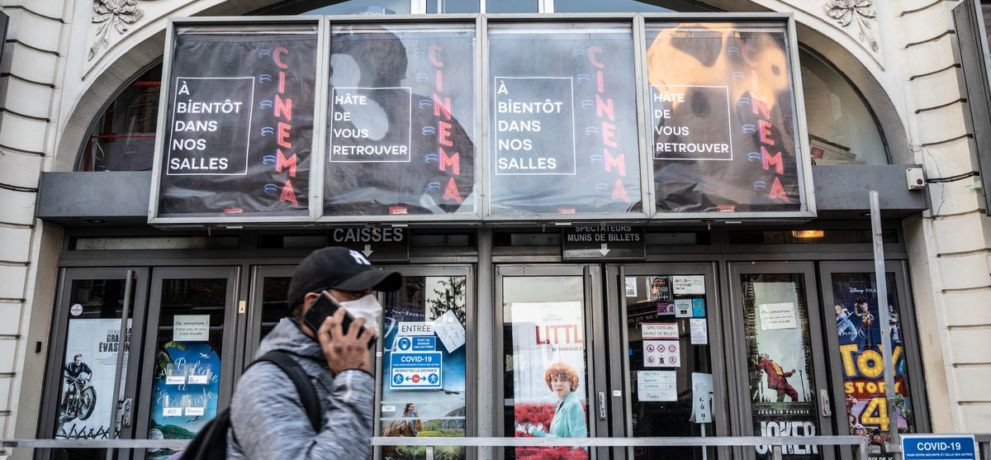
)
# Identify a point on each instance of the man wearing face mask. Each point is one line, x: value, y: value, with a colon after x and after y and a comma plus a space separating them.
x: 268, y: 418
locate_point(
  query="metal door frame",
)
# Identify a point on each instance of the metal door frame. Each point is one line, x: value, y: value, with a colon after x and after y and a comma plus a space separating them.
x: 595, y: 356
x: 59, y: 336
x: 618, y: 340
x: 253, y: 317
x: 471, y: 367
x: 149, y: 344
x: 821, y: 380
x: 909, y: 332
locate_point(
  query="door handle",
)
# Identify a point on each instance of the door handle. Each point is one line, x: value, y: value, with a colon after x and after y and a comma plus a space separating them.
x: 825, y: 408
x: 602, y: 405
x: 125, y: 412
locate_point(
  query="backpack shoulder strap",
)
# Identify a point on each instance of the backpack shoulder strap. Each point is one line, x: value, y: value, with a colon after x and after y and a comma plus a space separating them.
x: 304, y: 387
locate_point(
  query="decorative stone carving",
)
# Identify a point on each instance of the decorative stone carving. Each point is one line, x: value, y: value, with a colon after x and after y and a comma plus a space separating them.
x: 114, y: 15
x: 861, y: 12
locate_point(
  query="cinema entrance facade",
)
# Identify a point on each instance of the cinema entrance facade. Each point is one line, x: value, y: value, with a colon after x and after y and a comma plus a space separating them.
x: 642, y: 202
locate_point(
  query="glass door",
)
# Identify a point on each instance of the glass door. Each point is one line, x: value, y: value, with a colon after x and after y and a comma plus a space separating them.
x: 663, y: 371
x: 849, y: 294
x: 422, y: 372
x: 89, y: 391
x: 781, y: 381
x: 551, y: 320
x: 188, y: 352
x: 268, y: 305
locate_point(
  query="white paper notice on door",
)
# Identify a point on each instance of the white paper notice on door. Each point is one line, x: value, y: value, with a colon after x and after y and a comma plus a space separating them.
x: 661, y: 353
x: 701, y: 398
x: 659, y: 330
x: 777, y: 316
x: 682, y: 308
x: 450, y: 331
x: 688, y: 284
x: 191, y: 328
x: 700, y: 331
x: 657, y: 385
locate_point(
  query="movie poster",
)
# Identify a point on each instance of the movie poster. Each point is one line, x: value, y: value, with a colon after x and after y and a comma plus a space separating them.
x: 88, y: 373
x: 550, y: 384
x: 184, y: 391
x: 427, y: 320
x: 859, y: 332
x: 723, y: 122
x: 780, y: 362
x: 239, y: 124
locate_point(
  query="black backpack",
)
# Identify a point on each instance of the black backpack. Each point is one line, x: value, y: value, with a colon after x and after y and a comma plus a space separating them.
x: 211, y: 442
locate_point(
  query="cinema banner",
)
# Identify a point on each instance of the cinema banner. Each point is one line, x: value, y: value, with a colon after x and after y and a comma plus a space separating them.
x: 722, y: 119
x: 238, y: 130
x: 858, y: 329
x: 400, y: 137
x: 562, y: 118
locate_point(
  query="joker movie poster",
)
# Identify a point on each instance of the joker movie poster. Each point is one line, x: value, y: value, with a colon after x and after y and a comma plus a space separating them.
x: 549, y: 385
x: 780, y: 362
x: 88, y: 373
x: 858, y: 329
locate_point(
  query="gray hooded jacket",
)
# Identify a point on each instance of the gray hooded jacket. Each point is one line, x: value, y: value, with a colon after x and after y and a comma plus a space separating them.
x: 267, y: 417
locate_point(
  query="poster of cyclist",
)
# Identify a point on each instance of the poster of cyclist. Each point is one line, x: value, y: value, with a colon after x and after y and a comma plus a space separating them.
x: 88, y: 373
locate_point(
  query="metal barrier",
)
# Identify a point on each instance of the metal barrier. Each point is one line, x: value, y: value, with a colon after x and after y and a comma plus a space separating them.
x: 777, y: 444
x: 859, y: 444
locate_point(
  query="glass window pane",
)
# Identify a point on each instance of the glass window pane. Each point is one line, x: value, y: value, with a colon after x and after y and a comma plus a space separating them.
x: 423, y: 402
x: 186, y: 380
x: 365, y: 7
x: 779, y: 359
x: 722, y: 117
x: 401, y: 120
x: 859, y: 331
x: 452, y: 6
x: 564, y: 124
x: 123, y: 137
x: 274, y: 304
x: 611, y: 6
x: 660, y: 319
x: 511, y: 6
x: 89, y: 364
x: 546, y: 385
x: 841, y: 126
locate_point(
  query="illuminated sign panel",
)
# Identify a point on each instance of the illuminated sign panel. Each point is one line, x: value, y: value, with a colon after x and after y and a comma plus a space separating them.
x: 722, y: 119
x: 563, y: 120
x: 353, y: 120
x: 400, y: 133
x: 238, y: 131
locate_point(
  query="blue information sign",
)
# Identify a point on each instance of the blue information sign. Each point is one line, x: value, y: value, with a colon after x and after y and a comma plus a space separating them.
x: 938, y: 447
x: 416, y: 371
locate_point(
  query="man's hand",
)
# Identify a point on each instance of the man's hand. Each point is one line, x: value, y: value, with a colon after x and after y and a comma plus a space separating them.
x: 345, y: 350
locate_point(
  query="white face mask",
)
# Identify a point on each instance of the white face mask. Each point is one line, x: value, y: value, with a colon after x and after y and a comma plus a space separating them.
x: 367, y: 307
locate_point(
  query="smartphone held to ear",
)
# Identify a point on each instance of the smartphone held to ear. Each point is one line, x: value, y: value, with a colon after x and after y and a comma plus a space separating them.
x: 324, y: 307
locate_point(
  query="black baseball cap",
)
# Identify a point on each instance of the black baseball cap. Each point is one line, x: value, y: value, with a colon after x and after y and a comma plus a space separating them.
x: 338, y: 268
